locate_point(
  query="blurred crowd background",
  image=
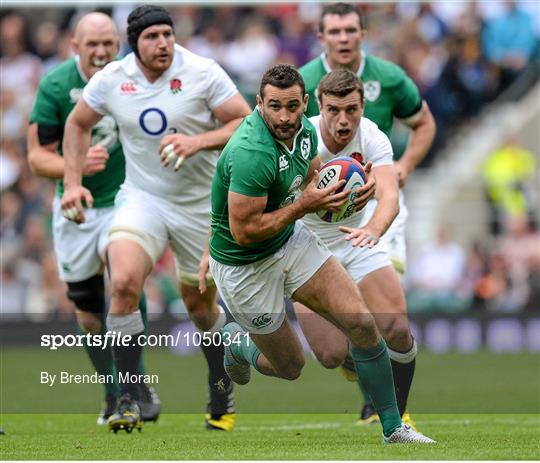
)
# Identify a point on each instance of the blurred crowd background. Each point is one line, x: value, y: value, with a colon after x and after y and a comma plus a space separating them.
x: 465, y: 57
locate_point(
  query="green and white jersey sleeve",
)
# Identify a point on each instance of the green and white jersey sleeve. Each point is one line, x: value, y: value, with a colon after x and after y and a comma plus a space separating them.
x: 368, y: 144
x: 255, y: 164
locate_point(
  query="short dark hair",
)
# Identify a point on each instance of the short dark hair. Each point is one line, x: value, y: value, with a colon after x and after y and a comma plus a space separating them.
x: 341, y: 9
x: 142, y: 17
x: 282, y: 76
x: 340, y: 83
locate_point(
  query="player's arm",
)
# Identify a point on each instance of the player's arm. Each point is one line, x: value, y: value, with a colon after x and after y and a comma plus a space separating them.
x: 45, y: 161
x: 250, y: 224
x: 77, y: 135
x: 230, y: 114
x: 423, y: 129
x: 386, y: 211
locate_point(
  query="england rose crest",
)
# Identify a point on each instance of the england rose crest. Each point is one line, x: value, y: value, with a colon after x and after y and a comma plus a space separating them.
x: 176, y: 86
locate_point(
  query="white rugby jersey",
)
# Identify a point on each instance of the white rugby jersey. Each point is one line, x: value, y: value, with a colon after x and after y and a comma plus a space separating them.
x: 180, y: 101
x: 368, y: 144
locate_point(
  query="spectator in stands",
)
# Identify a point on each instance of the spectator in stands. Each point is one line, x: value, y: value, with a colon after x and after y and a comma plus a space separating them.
x: 20, y: 70
x: 249, y: 55
x: 435, y: 276
x: 510, y: 179
x: 510, y: 41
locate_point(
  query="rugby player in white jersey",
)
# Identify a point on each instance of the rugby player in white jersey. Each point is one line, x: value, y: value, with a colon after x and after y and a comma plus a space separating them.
x: 342, y: 131
x: 166, y: 100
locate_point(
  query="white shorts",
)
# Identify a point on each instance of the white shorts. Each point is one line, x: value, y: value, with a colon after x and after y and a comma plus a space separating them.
x: 80, y: 249
x: 254, y: 292
x: 359, y: 262
x: 394, y: 238
x: 155, y: 222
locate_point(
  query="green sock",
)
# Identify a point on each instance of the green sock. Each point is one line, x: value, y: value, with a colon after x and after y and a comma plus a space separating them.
x: 365, y: 395
x: 144, y: 314
x: 103, y: 363
x: 245, y: 349
x: 373, y: 366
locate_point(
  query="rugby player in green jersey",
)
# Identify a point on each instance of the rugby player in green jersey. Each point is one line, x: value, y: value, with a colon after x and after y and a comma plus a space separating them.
x: 80, y: 249
x: 260, y: 251
x: 389, y: 94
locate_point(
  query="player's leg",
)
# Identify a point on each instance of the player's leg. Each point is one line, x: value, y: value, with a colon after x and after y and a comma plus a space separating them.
x: 129, y: 267
x: 332, y: 293
x: 393, y: 243
x: 137, y: 238
x: 148, y: 400
x: 89, y: 298
x: 343, y: 306
x: 329, y: 345
x: 209, y: 317
x: 80, y: 266
x: 188, y: 229
x: 384, y: 296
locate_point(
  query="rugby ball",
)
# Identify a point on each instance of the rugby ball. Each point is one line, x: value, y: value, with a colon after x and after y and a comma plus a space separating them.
x: 341, y: 168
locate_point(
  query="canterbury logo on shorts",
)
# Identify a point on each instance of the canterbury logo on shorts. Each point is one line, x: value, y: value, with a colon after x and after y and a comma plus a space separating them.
x: 262, y: 320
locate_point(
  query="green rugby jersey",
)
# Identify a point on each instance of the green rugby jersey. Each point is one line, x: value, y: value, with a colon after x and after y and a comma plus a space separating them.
x: 254, y: 163
x: 58, y: 92
x: 389, y: 92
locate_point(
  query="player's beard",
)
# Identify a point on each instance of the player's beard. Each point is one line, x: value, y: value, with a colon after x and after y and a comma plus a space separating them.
x: 282, y: 132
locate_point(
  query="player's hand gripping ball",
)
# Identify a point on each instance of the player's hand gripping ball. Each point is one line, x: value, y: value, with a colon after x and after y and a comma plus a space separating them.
x: 342, y: 168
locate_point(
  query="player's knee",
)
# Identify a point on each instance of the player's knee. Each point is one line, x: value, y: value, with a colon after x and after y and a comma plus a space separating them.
x: 125, y: 289
x: 199, y: 312
x: 330, y: 358
x: 292, y: 369
x: 89, y: 322
x: 398, y: 335
x: 359, y: 325
x: 88, y: 295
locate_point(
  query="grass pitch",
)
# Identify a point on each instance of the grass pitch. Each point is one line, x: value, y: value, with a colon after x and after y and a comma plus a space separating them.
x: 269, y: 437
x: 477, y: 406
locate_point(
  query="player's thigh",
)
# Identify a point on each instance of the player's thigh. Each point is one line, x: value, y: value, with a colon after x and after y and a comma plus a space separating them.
x: 331, y: 293
x: 383, y: 294
x: 138, y: 218
x: 253, y: 293
x: 327, y: 342
x: 282, y: 349
x: 76, y: 246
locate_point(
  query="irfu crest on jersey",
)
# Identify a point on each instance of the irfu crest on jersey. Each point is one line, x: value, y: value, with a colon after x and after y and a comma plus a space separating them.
x: 372, y: 90
x: 305, y: 147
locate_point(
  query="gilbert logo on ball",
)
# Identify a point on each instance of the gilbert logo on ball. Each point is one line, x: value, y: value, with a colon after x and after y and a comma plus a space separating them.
x: 342, y: 168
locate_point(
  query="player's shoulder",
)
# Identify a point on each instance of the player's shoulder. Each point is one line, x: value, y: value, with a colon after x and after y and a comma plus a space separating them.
x: 60, y: 73
x: 368, y: 125
x: 312, y: 72
x: 387, y: 72
x: 116, y: 67
x: 252, y: 136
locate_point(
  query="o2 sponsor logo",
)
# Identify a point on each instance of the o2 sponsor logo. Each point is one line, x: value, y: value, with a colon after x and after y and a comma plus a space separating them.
x: 153, y: 122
